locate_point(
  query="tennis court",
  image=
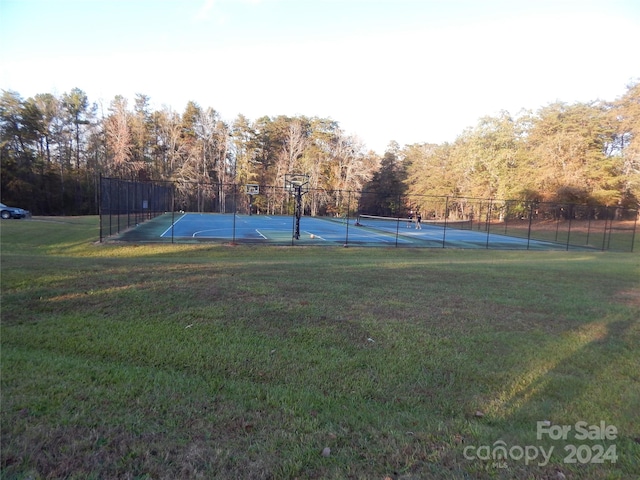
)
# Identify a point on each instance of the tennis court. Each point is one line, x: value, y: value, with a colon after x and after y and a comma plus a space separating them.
x: 280, y: 230
x: 164, y: 212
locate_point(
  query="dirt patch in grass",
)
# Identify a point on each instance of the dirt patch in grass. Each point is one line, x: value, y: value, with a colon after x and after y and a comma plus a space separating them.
x: 103, y: 452
x: 630, y: 297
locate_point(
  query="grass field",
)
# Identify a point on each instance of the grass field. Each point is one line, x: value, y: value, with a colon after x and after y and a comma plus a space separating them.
x: 211, y: 361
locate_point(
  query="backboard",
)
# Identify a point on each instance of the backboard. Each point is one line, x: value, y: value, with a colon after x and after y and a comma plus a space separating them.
x: 252, y: 189
x: 296, y: 181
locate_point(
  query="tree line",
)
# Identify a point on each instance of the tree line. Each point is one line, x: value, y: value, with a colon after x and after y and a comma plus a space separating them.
x: 54, y: 149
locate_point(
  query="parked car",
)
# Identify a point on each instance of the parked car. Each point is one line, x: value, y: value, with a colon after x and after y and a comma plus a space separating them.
x: 12, y: 212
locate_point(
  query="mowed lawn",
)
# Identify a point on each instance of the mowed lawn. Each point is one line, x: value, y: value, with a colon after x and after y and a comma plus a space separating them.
x: 200, y: 361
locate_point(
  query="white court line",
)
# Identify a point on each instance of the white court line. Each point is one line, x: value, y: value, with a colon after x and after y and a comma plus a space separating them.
x: 173, y: 225
x: 261, y: 234
x: 201, y: 232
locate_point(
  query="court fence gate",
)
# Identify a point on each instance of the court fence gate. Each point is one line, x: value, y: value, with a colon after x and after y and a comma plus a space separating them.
x: 126, y: 205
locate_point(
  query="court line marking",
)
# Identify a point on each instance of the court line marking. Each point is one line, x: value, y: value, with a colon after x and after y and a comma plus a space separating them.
x: 432, y: 233
x: 200, y: 232
x: 172, y: 225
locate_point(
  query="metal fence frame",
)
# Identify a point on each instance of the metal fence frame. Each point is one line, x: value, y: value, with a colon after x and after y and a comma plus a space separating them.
x: 126, y: 203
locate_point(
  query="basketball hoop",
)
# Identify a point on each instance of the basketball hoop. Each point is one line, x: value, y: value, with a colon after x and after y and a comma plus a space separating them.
x: 296, y: 183
x: 252, y: 189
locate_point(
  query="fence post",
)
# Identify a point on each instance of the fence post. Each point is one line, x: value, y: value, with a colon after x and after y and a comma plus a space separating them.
x: 128, y: 205
x: 633, y: 235
x: 235, y: 194
x: 531, y: 205
x: 119, y: 208
x: 398, y: 219
x: 100, y: 205
x: 173, y: 210
x: 489, y: 212
x: 446, y: 216
x: 569, y: 227
x: 346, y: 238
x: 588, y: 226
x: 611, y: 228
x: 604, y: 233
x: 110, y: 207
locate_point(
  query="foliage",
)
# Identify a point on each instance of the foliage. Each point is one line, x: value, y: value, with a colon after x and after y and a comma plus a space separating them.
x: 53, y: 150
x: 384, y: 193
x: 582, y: 153
x: 62, y: 142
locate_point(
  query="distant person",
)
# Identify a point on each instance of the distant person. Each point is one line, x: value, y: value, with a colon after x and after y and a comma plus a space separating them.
x: 410, y: 219
x: 418, y: 221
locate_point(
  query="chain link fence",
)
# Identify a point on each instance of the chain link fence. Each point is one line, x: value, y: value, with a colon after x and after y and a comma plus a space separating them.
x: 125, y: 205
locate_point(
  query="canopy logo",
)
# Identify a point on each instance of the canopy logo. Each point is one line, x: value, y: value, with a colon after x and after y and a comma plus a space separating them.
x: 500, y: 453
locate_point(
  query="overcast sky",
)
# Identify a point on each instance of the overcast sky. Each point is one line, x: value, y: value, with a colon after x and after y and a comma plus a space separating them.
x: 412, y: 71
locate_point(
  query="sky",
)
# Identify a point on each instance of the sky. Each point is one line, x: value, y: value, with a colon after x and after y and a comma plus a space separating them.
x: 409, y: 71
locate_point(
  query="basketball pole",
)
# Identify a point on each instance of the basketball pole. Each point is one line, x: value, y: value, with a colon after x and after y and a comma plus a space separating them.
x: 298, y: 210
x: 296, y: 184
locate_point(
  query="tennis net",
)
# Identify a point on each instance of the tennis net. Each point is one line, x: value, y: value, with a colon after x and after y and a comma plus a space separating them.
x: 397, y: 223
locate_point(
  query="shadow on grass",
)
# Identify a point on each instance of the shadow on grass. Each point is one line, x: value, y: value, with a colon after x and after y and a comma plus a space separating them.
x: 580, y: 402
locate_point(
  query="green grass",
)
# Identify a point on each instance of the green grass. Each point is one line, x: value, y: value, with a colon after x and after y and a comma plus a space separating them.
x: 201, y: 361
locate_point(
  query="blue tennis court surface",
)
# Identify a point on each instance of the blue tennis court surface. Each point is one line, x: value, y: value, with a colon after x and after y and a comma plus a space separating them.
x: 280, y: 230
